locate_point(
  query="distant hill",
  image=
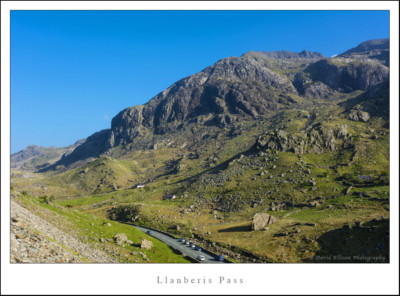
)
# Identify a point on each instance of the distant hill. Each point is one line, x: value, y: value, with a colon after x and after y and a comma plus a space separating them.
x: 377, y: 49
x: 36, y: 157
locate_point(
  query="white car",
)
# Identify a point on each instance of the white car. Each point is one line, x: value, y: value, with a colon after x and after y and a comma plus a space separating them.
x: 187, y: 243
x: 193, y: 246
x: 200, y: 258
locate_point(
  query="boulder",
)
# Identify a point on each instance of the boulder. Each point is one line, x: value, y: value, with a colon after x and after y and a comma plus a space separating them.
x: 358, y: 115
x: 145, y: 244
x: 260, y: 220
x: 120, y: 238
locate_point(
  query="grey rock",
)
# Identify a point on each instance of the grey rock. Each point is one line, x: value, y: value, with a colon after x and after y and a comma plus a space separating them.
x: 120, y: 238
x: 146, y: 244
x: 260, y: 220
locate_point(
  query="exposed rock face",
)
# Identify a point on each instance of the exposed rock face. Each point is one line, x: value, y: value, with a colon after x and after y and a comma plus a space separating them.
x: 232, y: 86
x: 315, y: 89
x: 316, y: 140
x: 347, y: 75
x: 260, y: 220
x: 146, y: 244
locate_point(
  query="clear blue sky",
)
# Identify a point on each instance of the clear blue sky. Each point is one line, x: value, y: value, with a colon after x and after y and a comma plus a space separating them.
x: 72, y: 71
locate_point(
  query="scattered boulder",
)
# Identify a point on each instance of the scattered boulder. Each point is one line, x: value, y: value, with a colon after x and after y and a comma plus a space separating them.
x: 120, y: 238
x: 260, y: 220
x: 146, y: 244
x: 358, y: 115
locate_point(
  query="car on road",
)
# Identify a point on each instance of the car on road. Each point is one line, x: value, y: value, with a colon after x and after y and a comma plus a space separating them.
x: 187, y: 243
x: 219, y: 258
x: 149, y: 232
x: 182, y: 240
x: 193, y: 246
x: 200, y: 258
x: 197, y: 248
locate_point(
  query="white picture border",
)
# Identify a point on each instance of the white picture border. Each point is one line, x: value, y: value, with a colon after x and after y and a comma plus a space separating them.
x: 141, y: 278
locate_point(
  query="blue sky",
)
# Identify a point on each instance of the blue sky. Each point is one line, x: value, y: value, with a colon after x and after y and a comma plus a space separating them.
x: 72, y: 71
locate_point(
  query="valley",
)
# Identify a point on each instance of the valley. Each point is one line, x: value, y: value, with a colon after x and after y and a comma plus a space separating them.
x: 267, y: 158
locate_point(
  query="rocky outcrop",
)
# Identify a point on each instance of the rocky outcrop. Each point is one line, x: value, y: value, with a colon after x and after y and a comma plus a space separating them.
x: 260, y: 220
x: 316, y: 140
x: 120, y: 239
x: 315, y: 89
x: 347, y: 75
x: 358, y: 115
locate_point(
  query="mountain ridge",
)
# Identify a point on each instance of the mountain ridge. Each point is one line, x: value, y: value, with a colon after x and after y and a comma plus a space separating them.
x: 233, y: 89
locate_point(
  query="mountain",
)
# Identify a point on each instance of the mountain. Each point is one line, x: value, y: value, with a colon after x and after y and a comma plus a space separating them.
x: 370, y: 45
x: 233, y: 89
x: 298, y: 136
x: 36, y: 157
x: 376, y: 49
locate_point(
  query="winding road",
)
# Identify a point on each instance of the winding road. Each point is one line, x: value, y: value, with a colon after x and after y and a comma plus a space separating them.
x: 174, y: 243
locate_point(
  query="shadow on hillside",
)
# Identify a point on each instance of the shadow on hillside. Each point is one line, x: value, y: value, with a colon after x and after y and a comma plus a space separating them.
x: 244, y: 228
x: 368, y: 243
x: 93, y: 147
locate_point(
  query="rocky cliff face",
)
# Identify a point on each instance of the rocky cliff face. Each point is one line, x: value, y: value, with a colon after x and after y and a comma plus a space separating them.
x: 338, y: 74
x: 233, y: 86
x: 237, y: 88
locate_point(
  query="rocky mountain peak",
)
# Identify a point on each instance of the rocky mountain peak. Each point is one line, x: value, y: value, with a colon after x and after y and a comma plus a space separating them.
x: 234, y: 89
x: 283, y: 54
x: 370, y: 45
